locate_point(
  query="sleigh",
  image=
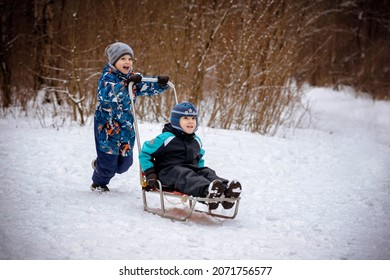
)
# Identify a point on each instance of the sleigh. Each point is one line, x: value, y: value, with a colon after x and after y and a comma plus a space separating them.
x: 166, y: 200
x: 188, y: 203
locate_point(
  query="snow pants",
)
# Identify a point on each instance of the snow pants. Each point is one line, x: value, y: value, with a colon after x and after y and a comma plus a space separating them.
x: 189, y: 179
x: 108, y: 165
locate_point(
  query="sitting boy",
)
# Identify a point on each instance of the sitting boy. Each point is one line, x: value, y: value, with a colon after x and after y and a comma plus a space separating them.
x: 175, y: 157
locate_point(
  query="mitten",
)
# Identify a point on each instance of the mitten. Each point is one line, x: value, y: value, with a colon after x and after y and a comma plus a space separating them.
x: 134, y: 78
x: 151, y: 180
x: 162, y: 81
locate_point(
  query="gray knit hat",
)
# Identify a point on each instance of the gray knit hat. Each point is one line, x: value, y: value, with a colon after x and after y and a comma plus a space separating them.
x: 116, y: 51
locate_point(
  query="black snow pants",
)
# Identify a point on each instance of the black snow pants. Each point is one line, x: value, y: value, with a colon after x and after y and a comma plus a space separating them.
x: 189, y: 179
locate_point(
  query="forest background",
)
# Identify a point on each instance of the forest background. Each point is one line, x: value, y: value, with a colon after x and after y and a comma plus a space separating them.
x: 241, y: 62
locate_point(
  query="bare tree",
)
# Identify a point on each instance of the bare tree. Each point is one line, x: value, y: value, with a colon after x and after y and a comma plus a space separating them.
x: 5, y: 73
x: 240, y: 62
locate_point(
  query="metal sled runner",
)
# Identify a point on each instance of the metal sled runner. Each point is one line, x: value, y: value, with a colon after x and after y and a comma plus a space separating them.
x: 188, y: 202
x: 164, y: 194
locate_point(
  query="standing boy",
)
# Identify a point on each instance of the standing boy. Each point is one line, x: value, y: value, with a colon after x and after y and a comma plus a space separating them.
x: 113, y: 121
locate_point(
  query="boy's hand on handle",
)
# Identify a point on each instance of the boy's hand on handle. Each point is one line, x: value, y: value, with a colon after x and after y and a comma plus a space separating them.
x: 162, y: 81
x: 151, y: 180
x: 134, y: 78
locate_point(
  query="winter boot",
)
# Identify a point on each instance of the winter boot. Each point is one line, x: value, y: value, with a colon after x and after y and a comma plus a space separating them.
x: 98, y: 188
x: 93, y: 163
x: 233, y: 191
x: 215, y: 190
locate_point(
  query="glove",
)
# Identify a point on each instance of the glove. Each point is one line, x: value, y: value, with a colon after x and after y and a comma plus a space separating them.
x: 151, y: 181
x: 162, y: 81
x: 134, y: 78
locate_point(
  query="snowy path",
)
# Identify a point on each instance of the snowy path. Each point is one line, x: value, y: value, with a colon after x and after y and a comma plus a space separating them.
x: 319, y: 193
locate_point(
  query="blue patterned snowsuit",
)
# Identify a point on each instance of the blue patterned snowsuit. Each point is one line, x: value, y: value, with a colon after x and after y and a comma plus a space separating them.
x: 113, y: 123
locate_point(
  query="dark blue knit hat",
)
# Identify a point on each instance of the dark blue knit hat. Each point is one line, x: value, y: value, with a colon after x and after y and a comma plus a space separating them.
x: 183, y: 109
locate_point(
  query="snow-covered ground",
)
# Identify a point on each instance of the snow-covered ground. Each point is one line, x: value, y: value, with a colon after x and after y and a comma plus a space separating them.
x: 318, y: 193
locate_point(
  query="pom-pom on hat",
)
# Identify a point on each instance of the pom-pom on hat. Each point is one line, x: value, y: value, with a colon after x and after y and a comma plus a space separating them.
x: 183, y: 109
x: 116, y: 51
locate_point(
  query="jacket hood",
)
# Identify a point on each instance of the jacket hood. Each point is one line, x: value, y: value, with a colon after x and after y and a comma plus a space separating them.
x: 111, y: 69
